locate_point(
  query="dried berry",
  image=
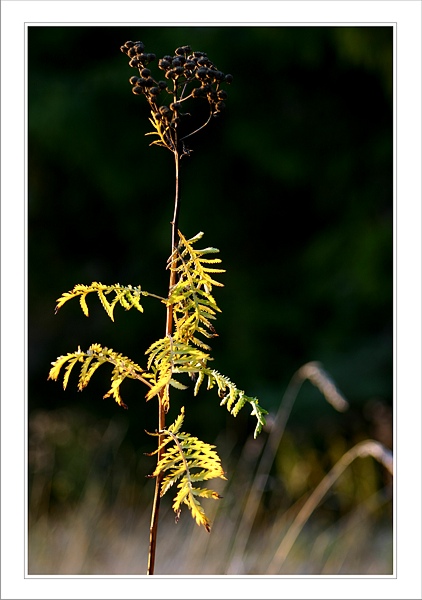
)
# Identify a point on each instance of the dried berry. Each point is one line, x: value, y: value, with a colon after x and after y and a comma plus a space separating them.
x: 182, y: 51
x: 139, y: 47
x: 218, y: 76
x: 202, y: 73
x: 143, y: 59
x: 185, y: 64
x: 197, y: 93
x: 164, y: 64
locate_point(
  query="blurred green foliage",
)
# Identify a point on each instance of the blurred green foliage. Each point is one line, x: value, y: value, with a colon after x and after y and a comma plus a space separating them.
x: 294, y: 185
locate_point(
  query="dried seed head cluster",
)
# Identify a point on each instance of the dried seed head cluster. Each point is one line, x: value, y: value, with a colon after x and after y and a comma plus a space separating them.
x: 187, y: 75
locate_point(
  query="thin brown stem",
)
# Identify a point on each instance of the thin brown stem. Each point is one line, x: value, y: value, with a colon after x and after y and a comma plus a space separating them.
x: 161, y: 411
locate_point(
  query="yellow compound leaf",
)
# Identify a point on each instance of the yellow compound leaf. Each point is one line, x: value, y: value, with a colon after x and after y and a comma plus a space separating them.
x: 187, y: 461
x: 126, y: 296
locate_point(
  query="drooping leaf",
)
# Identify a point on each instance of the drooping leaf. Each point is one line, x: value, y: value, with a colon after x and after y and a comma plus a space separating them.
x: 186, y: 461
x: 126, y: 296
x: 95, y: 356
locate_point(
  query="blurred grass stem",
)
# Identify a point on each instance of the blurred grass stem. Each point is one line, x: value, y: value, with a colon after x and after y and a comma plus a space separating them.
x: 360, y: 450
x: 317, y: 376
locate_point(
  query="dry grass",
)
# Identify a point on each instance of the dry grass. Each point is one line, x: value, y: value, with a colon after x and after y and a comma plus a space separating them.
x: 105, y: 530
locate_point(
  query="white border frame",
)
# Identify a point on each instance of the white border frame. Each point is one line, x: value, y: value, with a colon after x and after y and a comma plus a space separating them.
x: 407, y: 17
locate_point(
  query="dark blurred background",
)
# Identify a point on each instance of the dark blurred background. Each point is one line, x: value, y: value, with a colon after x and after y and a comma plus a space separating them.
x: 294, y: 185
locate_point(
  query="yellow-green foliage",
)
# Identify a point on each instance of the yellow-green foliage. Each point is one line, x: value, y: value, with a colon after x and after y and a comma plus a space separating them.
x: 164, y: 131
x: 178, y: 354
x: 127, y: 296
x: 95, y: 356
x: 193, y: 304
x: 187, y: 461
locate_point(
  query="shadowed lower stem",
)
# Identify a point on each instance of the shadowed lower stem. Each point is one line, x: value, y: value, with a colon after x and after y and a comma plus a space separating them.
x: 161, y: 412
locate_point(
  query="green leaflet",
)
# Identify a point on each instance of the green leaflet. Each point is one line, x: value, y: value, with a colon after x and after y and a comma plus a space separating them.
x: 232, y: 397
